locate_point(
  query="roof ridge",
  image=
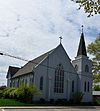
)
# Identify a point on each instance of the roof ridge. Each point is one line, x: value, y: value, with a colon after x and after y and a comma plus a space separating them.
x: 35, y: 62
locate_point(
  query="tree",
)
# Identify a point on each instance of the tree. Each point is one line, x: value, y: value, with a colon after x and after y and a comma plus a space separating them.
x: 96, y: 88
x: 94, y: 50
x: 90, y: 6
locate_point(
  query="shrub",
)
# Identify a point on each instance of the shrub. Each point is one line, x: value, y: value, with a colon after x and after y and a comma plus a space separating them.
x: 97, y: 102
x: 51, y: 100
x: 42, y: 100
x: 25, y: 93
x: 8, y: 93
x: 2, y: 88
x: 77, y: 97
x: 1, y: 93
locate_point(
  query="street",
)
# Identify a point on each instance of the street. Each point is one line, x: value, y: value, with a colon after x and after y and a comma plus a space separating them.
x: 52, y: 109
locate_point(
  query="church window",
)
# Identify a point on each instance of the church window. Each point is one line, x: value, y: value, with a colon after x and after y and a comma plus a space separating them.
x: 31, y: 80
x: 88, y: 86
x: 41, y: 83
x: 22, y: 81
x: 85, y: 86
x: 76, y: 67
x: 59, y: 79
x: 13, y: 83
x: 26, y: 81
x: 73, y: 86
x: 18, y: 82
x: 86, y: 68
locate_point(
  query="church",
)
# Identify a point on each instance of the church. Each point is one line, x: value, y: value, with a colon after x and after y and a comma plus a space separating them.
x: 55, y: 74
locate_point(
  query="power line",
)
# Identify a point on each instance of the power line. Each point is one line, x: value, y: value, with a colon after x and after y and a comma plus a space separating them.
x: 6, y: 54
x: 19, y: 58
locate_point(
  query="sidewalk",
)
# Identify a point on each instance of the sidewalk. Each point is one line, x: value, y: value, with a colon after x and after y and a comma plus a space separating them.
x: 53, y: 107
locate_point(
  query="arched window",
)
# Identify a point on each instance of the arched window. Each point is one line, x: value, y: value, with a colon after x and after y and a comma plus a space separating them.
x: 76, y: 67
x: 59, y: 79
x: 88, y: 87
x: 26, y: 81
x: 41, y: 83
x: 22, y: 81
x: 85, y: 86
x: 13, y: 83
x: 18, y: 83
x: 73, y: 86
x: 86, y: 68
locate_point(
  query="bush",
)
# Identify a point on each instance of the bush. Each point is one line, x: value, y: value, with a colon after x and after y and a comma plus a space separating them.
x: 42, y: 100
x: 97, y: 102
x: 1, y: 93
x: 8, y: 93
x: 77, y: 97
x: 25, y: 93
x: 51, y: 100
x: 2, y: 88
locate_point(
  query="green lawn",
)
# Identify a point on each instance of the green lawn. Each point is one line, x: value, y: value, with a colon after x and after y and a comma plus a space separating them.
x: 10, y: 102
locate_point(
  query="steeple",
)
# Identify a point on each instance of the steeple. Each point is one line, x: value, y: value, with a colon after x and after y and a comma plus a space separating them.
x: 82, y: 47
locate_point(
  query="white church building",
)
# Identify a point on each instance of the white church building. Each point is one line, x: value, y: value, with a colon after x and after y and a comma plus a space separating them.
x: 55, y: 74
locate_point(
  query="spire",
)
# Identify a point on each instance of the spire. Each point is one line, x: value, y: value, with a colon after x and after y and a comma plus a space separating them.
x: 82, y: 47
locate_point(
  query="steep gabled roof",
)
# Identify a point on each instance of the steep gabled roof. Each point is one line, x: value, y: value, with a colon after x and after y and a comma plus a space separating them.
x: 31, y: 65
x: 82, y: 47
x: 12, y: 70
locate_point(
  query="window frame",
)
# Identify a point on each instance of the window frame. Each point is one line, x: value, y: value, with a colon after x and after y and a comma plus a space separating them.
x: 73, y: 85
x: 41, y: 83
x: 59, y: 79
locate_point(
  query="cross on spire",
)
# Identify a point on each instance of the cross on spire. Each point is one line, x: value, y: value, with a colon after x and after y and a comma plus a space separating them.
x: 82, y: 28
x: 60, y: 39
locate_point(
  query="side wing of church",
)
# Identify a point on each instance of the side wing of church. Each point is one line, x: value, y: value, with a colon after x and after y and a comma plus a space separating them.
x: 55, y: 75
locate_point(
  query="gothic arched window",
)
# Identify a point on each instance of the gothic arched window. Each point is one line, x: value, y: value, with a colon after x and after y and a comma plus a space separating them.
x: 85, y: 86
x: 88, y: 87
x: 73, y: 86
x: 59, y: 79
x: 41, y: 83
x: 86, y: 68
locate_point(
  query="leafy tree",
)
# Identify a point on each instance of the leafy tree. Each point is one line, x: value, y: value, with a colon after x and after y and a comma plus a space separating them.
x: 90, y: 6
x: 94, y: 50
x: 96, y: 88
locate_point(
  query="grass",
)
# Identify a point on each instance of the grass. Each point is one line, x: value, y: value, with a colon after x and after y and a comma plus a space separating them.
x: 10, y: 102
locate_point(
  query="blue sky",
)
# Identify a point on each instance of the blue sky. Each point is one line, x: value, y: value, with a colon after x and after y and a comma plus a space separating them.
x: 29, y: 28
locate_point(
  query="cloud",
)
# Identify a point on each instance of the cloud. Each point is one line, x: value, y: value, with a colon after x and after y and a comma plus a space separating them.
x: 29, y: 28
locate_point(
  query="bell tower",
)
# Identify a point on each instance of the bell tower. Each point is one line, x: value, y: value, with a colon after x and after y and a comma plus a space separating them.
x: 83, y: 67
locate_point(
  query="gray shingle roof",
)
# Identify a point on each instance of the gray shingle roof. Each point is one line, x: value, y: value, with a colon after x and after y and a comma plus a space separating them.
x: 31, y: 65
x: 12, y: 70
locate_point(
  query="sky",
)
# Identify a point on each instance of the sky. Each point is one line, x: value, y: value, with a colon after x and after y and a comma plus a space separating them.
x: 29, y: 28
